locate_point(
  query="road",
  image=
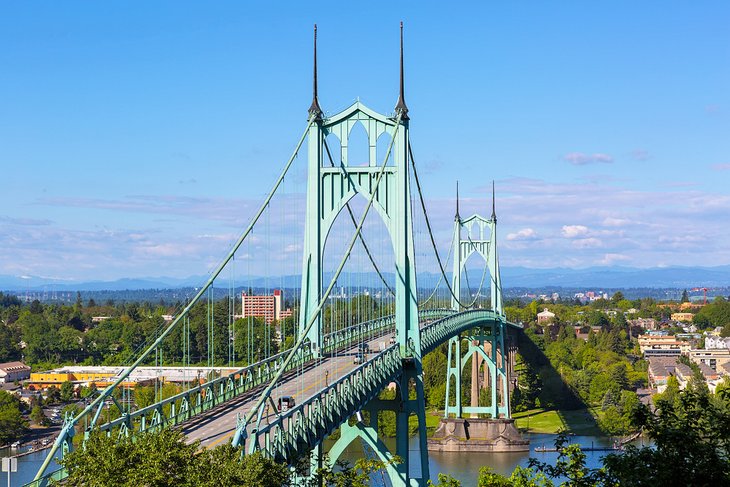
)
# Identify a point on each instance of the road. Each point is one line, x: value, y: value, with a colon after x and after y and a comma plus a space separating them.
x: 219, y: 425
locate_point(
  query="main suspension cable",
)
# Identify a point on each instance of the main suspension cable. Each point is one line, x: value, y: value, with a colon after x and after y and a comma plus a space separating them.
x: 108, y: 391
x: 430, y: 232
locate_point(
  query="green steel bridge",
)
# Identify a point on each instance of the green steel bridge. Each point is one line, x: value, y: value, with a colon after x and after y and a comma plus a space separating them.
x: 319, y: 369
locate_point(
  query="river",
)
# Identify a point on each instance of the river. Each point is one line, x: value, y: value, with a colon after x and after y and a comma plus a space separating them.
x: 462, y: 466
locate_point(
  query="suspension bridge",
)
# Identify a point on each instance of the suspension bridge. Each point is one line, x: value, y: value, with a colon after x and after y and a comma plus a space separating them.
x: 364, y: 324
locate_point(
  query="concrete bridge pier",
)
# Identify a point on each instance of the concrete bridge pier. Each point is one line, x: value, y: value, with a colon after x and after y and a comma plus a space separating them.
x: 490, y: 368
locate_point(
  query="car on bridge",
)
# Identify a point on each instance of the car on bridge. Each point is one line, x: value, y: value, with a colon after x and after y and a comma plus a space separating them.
x: 360, y: 358
x: 363, y: 348
x: 286, y: 403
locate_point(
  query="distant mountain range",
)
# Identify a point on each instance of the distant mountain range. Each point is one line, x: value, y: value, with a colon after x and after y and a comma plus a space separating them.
x: 512, y: 277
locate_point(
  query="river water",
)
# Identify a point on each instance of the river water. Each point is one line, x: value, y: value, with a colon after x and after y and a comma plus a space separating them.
x: 462, y: 466
x: 465, y: 466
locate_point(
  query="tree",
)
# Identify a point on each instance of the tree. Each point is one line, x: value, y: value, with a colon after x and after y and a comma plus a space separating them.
x: 691, y: 439
x: 67, y: 391
x: 12, y: 424
x: 224, y: 465
x: 617, y: 296
x: 53, y: 395
x: 37, y: 416
x: 165, y: 459
x: 161, y: 459
x: 685, y: 296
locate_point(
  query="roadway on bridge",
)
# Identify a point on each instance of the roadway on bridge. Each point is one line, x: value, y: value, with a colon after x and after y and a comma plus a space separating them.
x: 219, y: 425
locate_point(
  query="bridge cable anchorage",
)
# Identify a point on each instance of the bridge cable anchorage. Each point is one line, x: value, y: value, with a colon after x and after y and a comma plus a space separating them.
x: 430, y: 232
x: 332, y: 283
x: 354, y: 222
x: 64, y: 434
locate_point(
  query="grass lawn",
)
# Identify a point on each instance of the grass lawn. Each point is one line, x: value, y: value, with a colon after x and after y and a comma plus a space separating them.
x: 579, y: 422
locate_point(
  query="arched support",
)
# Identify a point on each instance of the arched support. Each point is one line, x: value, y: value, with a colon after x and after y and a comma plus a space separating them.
x: 368, y: 434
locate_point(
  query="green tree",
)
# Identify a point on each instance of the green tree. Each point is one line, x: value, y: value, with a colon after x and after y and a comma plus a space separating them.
x: 37, y: 416
x: 12, y: 424
x: 224, y: 465
x: 670, y: 394
x: 685, y: 296
x: 53, y: 395
x: 691, y: 444
x: 67, y: 391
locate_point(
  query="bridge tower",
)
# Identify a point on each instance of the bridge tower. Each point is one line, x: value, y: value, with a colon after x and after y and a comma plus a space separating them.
x: 330, y: 186
x: 488, y: 344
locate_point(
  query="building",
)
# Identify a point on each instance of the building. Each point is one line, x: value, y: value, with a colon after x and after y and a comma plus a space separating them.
x: 266, y: 307
x: 682, y: 317
x: 713, y: 342
x: 13, y: 371
x: 645, y: 323
x: 660, y: 368
x: 662, y: 346
x: 79, y: 377
x: 717, y: 359
x: 545, y: 317
x: 103, y: 376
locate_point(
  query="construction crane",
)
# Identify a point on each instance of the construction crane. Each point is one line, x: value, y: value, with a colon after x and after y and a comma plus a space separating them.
x: 704, y: 292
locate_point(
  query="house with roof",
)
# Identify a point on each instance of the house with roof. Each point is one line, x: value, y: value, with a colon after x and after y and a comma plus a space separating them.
x: 545, y: 317
x: 14, y: 371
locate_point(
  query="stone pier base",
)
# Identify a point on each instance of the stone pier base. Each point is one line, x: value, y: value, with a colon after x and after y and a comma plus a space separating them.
x: 477, y: 435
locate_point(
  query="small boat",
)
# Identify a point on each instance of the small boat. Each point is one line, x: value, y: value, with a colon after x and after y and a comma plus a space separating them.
x: 15, y: 445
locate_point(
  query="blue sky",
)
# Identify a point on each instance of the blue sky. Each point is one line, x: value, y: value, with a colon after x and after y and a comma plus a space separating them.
x: 137, y: 139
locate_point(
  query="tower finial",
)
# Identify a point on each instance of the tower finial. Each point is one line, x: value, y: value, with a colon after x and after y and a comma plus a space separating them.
x: 457, y: 217
x: 401, y: 105
x: 494, y: 206
x: 314, y: 109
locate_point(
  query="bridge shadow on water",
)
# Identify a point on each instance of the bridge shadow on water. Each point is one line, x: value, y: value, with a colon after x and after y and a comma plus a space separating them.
x: 557, y: 398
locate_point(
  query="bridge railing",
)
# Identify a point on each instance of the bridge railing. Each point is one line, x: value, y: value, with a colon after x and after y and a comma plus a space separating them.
x: 373, y: 328
x: 186, y: 405
x: 302, y: 428
x: 438, y: 332
x: 205, y: 397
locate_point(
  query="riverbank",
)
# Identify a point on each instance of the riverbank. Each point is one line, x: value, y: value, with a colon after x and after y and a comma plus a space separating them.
x: 550, y: 421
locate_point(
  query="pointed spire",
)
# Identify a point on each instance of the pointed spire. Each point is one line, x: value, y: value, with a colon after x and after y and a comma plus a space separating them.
x: 457, y: 217
x: 314, y: 109
x: 494, y: 206
x: 401, y: 105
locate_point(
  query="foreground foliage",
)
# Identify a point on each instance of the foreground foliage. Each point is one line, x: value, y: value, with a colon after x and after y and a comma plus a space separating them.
x: 164, y: 459
x: 12, y: 424
x: 691, y: 436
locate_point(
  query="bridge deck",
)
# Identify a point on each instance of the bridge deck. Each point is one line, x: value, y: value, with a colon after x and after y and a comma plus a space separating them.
x: 219, y: 425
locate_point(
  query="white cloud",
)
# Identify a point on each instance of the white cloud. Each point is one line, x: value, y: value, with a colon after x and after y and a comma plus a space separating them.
x: 615, y: 222
x: 611, y: 259
x: 581, y: 159
x: 574, y: 231
x: 524, y: 234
